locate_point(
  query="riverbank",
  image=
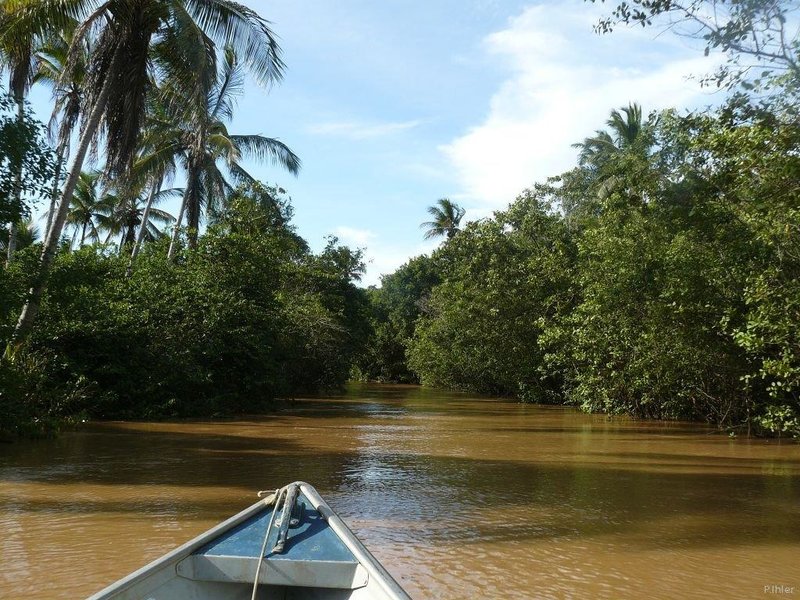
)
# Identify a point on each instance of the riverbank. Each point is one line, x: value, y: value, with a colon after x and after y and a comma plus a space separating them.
x: 248, y: 315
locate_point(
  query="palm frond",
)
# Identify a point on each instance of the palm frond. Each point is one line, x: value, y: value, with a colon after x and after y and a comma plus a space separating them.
x: 185, y: 59
x: 229, y: 85
x: 239, y: 175
x: 161, y: 216
x: 157, y: 163
x: 88, y: 23
x: 43, y: 16
x: 125, y: 104
x: 626, y: 124
x: 447, y: 217
x: 220, y: 145
x: 434, y: 232
x: 435, y: 212
x: 235, y: 25
x: 264, y: 148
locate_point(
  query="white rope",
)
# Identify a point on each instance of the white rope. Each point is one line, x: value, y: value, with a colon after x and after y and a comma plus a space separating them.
x: 276, y: 498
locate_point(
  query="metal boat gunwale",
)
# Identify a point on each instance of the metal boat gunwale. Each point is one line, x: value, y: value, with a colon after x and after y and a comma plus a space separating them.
x: 375, y: 569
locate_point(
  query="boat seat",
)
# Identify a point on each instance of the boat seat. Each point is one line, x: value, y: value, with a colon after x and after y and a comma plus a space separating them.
x: 314, y: 555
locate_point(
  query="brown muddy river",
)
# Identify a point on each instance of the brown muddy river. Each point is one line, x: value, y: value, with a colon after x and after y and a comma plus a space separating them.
x: 459, y: 497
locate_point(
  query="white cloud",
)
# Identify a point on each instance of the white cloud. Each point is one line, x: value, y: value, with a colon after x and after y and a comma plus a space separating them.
x: 353, y: 236
x: 563, y: 82
x: 382, y: 259
x: 358, y: 131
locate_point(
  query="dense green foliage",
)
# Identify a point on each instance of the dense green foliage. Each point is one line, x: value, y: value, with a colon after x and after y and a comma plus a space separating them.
x: 247, y: 313
x: 26, y: 161
x: 657, y: 279
x: 394, y: 309
x: 248, y: 316
x: 502, y: 279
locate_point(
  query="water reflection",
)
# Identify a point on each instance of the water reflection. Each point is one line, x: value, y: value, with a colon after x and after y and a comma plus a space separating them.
x: 461, y: 497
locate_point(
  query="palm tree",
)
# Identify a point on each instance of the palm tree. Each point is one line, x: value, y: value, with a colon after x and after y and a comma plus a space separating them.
x: 27, y: 235
x: 135, y: 42
x: 198, y: 139
x: 51, y: 62
x: 626, y: 131
x: 134, y: 213
x: 153, y: 167
x: 16, y: 56
x: 96, y: 211
x: 447, y: 217
x: 618, y: 159
x: 88, y: 208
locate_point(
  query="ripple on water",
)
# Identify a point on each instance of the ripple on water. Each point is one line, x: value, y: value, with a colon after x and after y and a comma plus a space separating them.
x: 459, y: 497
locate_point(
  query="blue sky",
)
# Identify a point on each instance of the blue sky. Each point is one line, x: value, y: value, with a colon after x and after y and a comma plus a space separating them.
x: 392, y: 105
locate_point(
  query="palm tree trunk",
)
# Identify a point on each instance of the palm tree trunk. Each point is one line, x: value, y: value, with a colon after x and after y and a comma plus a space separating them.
x: 12, y: 242
x: 83, y: 234
x: 123, y: 233
x: 173, y: 243
x: 143, y: 228
x: 192, y: 219
x: 19, y: 98
x: 54, y: 195
x: 34, y: 298
x: 192, y: 181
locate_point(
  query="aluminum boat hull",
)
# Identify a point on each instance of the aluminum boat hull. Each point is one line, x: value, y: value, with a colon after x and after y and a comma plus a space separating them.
x: 321, y: 560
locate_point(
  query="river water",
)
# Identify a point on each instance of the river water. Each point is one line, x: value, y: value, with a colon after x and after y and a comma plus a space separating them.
x: 459, y: 497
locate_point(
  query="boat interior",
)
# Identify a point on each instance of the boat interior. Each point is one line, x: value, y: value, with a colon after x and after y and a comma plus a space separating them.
x: 309, y: 554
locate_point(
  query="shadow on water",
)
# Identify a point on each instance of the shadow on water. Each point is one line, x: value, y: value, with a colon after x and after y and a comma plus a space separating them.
x: 450, y: 498
x: 458, y: 496
x: 400, y: 399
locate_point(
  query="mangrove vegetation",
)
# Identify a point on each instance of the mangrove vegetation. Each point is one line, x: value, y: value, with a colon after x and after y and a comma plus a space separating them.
x: 658, y: 278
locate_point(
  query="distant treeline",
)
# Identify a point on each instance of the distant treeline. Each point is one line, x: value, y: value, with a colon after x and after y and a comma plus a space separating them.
x: 658, y: 278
